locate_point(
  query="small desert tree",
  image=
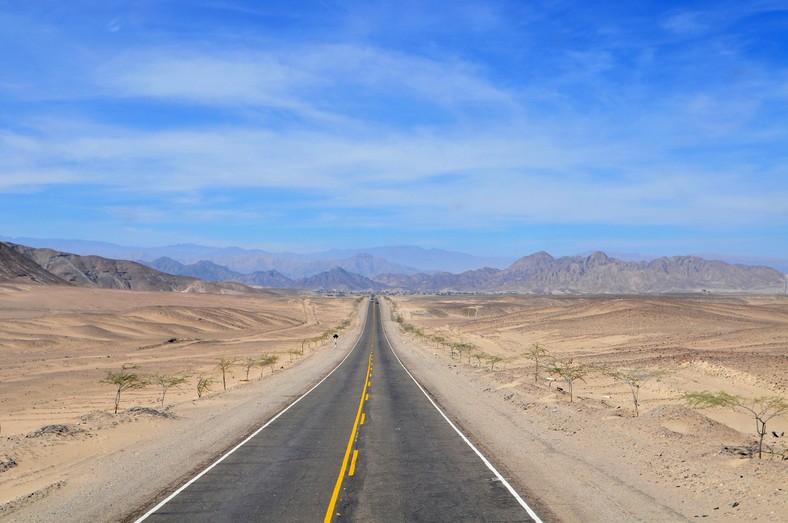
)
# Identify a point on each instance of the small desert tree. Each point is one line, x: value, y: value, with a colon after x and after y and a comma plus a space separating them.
x: 569, y: 371
x: 268, y: 360
x: 248, y: 364
x: 635, y: 378
x: 536, y: 352
x: 762, y: 409
x: 462, y: 348
x: 493, y: 360
x: 223, y: 366
x: 165, y: 382
x: 203, y: 385
x: 124, y: 380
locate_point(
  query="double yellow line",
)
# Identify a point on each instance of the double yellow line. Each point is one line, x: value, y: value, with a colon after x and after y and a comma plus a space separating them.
x: 359, y: 417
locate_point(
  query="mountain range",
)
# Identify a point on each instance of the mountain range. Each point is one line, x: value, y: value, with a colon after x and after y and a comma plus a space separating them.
x: 538, y: 273
x: 597, y: 273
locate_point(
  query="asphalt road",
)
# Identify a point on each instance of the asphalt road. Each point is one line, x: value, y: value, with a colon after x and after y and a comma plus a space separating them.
x: 364, y: 445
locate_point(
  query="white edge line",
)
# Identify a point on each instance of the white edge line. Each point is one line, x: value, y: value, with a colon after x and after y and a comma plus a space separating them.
x: 244, y: 442
x: 490, y: 466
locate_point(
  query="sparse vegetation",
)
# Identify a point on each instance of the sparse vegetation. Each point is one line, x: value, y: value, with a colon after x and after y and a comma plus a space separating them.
x: 268, y: 360
x: 223, y: 366
x: 493, y: 360
x: 762, y: 409
x: 124, y: 380
x: 635, y: 378
x: 569, y: 372
x: 328, y: 334
x: 248, y: 364
x: 203, y: 385
x: 536, y: 352
x: 166, y: 382
x: 463, y: 348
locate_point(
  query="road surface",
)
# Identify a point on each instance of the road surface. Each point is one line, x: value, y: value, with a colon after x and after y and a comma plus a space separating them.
x: 366, y: 444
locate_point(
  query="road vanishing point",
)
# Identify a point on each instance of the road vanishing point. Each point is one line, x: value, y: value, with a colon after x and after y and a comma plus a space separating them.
x: 365, y: 444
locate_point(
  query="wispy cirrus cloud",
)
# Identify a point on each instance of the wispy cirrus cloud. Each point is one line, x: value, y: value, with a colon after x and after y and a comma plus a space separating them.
x: 332, y: 83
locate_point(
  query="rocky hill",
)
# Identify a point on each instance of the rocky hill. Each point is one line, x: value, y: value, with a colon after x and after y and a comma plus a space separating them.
x: 17, y: 267
x: 54, y: 267
x: 339, y: 280
x: 597, y: 273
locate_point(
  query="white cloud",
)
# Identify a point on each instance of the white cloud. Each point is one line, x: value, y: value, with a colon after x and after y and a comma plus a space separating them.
x: 501, y: 175
x: 314, y: 82
x: 687, y: 23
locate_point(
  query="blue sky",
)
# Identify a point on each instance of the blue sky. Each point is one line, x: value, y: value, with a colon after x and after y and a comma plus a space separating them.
x: 490, y: 127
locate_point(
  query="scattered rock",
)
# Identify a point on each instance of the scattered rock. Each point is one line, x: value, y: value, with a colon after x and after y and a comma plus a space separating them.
x: 7, y: 463
x: 147, y: 411
x: 58, y: 429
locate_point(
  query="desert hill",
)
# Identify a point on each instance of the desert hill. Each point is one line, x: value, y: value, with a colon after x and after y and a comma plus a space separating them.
x: 95, y: 271
x: 53, y: 267
x: 17, y: 267
x: 340, y: 280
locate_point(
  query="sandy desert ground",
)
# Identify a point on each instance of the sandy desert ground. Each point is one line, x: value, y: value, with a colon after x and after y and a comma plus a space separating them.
x: 588, y: 460
x: 592, y: 459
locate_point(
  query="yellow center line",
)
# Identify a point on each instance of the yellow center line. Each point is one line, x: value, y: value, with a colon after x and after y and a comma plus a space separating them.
x: 353, y: 463
x: 363, y: 417
x: 338, y: 486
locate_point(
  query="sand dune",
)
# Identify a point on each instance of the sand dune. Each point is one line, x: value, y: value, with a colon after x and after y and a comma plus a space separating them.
x: 57, y: 343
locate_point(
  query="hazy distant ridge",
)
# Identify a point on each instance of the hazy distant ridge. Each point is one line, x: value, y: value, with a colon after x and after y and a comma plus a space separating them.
x: 209, y: 271
x: 368, y: 262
